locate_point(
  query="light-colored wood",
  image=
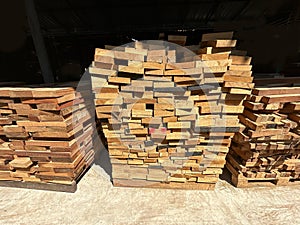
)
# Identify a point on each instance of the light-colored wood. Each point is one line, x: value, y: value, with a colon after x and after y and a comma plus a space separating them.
x: 168, y: 109
x: 240, y: 67
x: 179, y: 125
x: 219, y: 43
x: 216, y: 56
x: 119, y: 80
x: 21, y: 162
x: 240, y: 60
x: 232, y: 78
x: 102, y: 72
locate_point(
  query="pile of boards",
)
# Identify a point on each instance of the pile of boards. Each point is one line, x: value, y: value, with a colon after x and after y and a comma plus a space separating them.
x: 168, y: 115
x: 45, y: 137
x: 267, y: 151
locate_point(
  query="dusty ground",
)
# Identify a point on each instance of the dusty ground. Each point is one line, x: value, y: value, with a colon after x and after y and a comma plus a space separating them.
x: 97, y: 202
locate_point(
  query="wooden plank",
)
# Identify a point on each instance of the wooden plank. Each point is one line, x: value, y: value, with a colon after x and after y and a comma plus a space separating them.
x: 238, y: 73
x: 237, y: 91
x: 219, y: 43
x: 214, y: 69
x: 136, y: 51
x: 240, y: 60
x: 21, y: 162
x: 119, y: 80
x: 280, y: 98
x: 239, y: 85
x: 276, y: 91
x: 254, y: 106
x: 181, y: 65
x: 154, y: 65
x: 179, y: 125
x: 103, y: 72
x: 128, y: 56
x: 266, y: 132
x: 213, y: 63
x: 233, y: 78
x: 217, y: 36
x: 131, y: 69
x: 240, y: 67
x: 216, y: 56
x: 291, y: 107
x: 99, y: 59
x: 51, y: 92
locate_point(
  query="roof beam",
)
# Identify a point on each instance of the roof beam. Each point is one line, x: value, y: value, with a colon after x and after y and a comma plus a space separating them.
x: 39, y: 42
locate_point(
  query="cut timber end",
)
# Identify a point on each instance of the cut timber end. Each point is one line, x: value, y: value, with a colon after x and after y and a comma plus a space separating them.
x: 21, y: 162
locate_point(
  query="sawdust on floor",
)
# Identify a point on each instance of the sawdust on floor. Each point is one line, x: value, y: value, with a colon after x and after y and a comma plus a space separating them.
x: 98, y: 202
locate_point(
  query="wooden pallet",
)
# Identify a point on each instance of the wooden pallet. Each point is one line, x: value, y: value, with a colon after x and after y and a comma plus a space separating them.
x: 47, y: 186
x: 263, y: 182
x: 240, y: 181
x: 46, y: 137
x: 267, y: 151
x: 244, y: 182
x: 41, y: 186
x: 171, y: 185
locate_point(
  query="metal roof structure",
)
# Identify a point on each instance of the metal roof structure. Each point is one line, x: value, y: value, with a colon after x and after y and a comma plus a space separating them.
x: 75, y: 17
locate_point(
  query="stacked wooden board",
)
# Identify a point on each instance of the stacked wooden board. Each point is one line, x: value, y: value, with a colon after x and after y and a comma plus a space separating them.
x: 168, y: 115
x: 267, y: 151
x: 230, y: 69
x: 46, y: 137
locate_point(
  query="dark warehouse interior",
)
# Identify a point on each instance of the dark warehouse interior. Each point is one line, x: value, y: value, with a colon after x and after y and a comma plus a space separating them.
x: 72, y: 29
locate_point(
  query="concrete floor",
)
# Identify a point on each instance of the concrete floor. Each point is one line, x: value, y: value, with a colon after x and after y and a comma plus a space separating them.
x: 98, y: 202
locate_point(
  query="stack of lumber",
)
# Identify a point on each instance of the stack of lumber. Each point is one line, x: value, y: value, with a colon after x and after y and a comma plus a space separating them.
x: 228, y: 68
x: 267, y: 150
x: 46, y: 135
x: 168, y: 115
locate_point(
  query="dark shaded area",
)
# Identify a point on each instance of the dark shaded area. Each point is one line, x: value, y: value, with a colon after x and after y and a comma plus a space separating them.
x: 226, y: 175
x: 269, y: 30
x: 99, y: 143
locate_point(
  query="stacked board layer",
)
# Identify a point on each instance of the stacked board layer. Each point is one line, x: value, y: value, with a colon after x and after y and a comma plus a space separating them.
x: 267, y: 150
x: 167, y: 114
x: 230, y: 71
x: 45, y: 134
